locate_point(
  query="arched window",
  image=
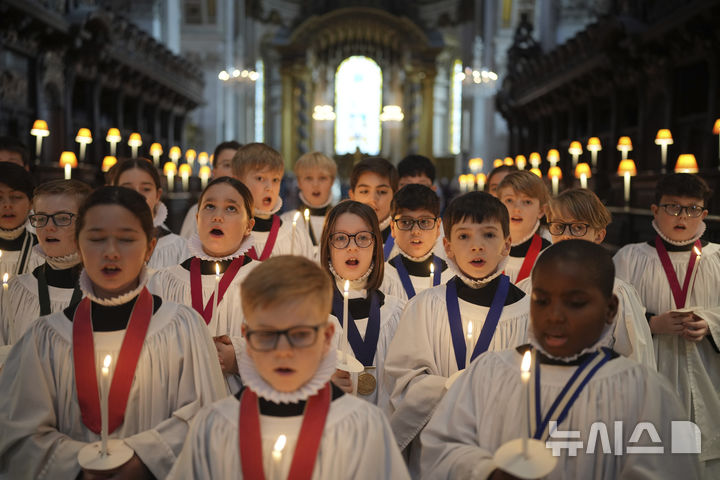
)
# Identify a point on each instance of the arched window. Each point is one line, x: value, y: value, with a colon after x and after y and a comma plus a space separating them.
x: 358, y: 102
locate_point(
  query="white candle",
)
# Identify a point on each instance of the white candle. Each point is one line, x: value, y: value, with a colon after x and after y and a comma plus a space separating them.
x: 306, y: 214
x: 663, y: 154
x: 525, y: 378
x: 555, y: 183
x: 185, y: 180
x: 68, y: 171
x: 469, y: 344
x: 698, y: 255
x: 171, y: 181
x: 134, y: 151
x: 583, y: 180
x: 294, y: 225
x: 104, y: 393
x: 593, y: 158
x: 277, y: 454
x: 6, y: 276
x: 156, y: 158
x: 627, y: 188
x: 346, y: 321
x: 82, y: 152
x: 432, y: 274
x: 216, y: 293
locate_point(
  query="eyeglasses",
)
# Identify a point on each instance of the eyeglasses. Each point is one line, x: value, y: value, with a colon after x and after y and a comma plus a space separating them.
x: 407, y: 223
x: 576, y: 229
x: 60, y: 219
x: 675, y: 210
x: 297, y: 337
x: 341, y: 240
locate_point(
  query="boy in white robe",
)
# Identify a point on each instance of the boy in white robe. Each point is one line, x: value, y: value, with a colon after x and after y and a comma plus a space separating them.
x: 445, y: 327
x: 579, y: 214
x: 286, y: 369
x: 572, y: 309
x: 51, y: 286
x: 260, y: 168
x: 680, y: 291
x: 416, y: 227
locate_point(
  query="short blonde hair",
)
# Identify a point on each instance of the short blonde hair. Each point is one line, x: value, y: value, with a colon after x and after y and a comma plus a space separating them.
x: 528, y: 183
x: 286, y: 279
x: 315, y: 160
x: 72, y: 188
x: 582, y: 204
x: 255, y: 157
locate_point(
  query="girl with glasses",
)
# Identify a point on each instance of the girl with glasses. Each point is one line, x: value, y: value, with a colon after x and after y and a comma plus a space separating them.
x: 53, y: 285
x: 351, y: 249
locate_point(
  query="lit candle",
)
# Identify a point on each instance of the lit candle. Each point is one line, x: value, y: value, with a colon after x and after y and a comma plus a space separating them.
x: 216, y: 293
x: 432, y: 274
x: 170, y: 170
x: 626, y: 177
x: 68, y: 171
x: 5, y: 281
x: 346, y: 343
x: 468, y: 344
x: 306, y: 214
x: 698, y: 255
x: 104, y: 393
x: 525, y: 377
x: 555, y: 184
x: 204, y: 175
x: 277, y: 454
x: 185, y: 170
x: 294, y: 225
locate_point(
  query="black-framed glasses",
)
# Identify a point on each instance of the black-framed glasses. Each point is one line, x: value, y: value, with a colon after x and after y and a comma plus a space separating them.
x: 298, y: 337
x: 576, y: 229
x: 60, y: 219
x: 407, y: 223
x: 675, y: 210
x: 341, y: 240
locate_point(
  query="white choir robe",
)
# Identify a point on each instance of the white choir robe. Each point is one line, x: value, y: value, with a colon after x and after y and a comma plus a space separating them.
x: 177, y: 374
x: 390, y: 313
x: 284, y: 241
x: 9, y: 262
x: 170, y: 250
x: 421, y: 357
x: 189, y: 226
x: 631, y: 334
x: 419, y: 283
x: 357, y: 443
x: 316, y: 221
x: 483, y: 410
x: 692, y: 368
x: 438, y: 247
x: 22, y: 305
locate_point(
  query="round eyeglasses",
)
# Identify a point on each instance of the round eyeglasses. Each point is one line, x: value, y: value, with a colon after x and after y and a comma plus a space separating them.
x: 61, y: 219
x: 298, y: 337
x: 675, y: 210
x: 341, y: 240
x: 407, y: 223
x: 576, y: 229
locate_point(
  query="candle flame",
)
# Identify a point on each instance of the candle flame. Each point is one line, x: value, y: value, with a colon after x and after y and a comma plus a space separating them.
x: 526, y: 360
x: 107, y: 361
x: 5, y: 277
x: 280, y: 443
x: 295, y: 217
x: 432, y: 268
x: 217, y: 269
x: 470, y: 327
x: 306, y: 213
x: 697, y: 251
x: 347, y: 286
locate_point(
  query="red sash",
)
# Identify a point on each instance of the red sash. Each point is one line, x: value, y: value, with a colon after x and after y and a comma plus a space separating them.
x: 270, y: 244
x: 84, y: 361
x: 308, y: 443
x: 530, y: 258
x: 679, y: 294
x: 196, y: 290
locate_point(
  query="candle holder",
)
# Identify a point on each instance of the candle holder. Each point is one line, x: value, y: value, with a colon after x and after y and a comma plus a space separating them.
x: 537, y: 463
x: 90, y: 457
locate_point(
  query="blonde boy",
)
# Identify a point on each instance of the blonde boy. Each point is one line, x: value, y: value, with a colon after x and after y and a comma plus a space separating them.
x: 260, y: 168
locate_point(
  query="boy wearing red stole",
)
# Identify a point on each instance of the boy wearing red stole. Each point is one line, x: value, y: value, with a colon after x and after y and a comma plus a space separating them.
x: 602, y: 415
x: 676, y: 275
x: 289, y: 421
x: 260, y: 168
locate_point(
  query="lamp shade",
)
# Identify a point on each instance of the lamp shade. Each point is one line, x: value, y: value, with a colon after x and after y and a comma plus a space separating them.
x: 582, y: 169
x: 555, y: 172
x: 535, y: 159
x: 108, y: 162
x: 686, y: 163
x: 169, y: 168
x: 175, y: 153
x: 68, y: 158
x: 575, y: 148
x: 185, y: 170
x: 40, y: 129
x: 113, y: 135
x: 508, y: 161
x: 135, y: 140
x: 475, y: 164
x: 627, y: 166
x: 593, y: 144
x: 497, y: 162
x: 553, y: 155
x: 204, y: 172
x: 536, y: 171
x: 156, y: 149
x: 663, y: 137
x: 716, y: 127
x: 203, y: 158
x: 480, y: 178
x: 521, y: 161
x: 190, y: 155
x: 83, y: 136
x: 624, y: 144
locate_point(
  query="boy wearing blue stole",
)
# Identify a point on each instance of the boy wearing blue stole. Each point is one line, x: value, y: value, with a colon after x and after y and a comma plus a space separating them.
x: 445, y: 327
x: 602, y: 415
x: 416, y: 227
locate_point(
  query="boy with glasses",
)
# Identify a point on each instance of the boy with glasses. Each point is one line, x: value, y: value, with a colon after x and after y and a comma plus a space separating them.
x: 416, y: 228
x: 289, y: 420
x: 676, y: 275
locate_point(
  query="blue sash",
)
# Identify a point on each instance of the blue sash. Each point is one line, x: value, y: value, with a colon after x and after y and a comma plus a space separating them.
x: 488, y: 329
x: 405, y: 276
x: 389, y: 244
x: 364, y: 349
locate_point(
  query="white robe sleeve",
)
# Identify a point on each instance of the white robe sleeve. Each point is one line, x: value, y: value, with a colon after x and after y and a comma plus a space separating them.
x: 170, y: 250
x: 189, y: 226
x: 284, y: 243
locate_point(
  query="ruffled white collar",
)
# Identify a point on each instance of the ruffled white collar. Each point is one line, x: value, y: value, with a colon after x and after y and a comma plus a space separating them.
x: 13, y: 233
x: 477, y: 283
x: 605, y: 340
x: 305, y: 202
x: 415, y: 259
x: 86, y: 286
x: 698, y: 234
x: 252, y: 379
x: 523, y: 240
x: 272, y: 211
x: 385, y: 223
x: 161, y: 213
x: 58, y: 263
x: 357, y: 286
x: 196, y: 249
